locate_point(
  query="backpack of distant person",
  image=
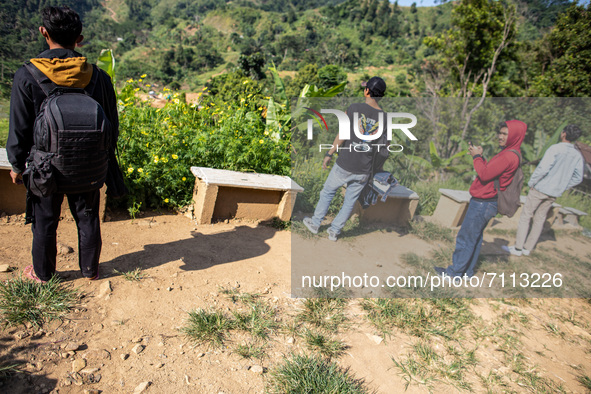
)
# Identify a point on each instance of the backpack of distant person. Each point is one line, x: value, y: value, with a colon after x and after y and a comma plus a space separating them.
x: 508, y: 200
x: 71, y: 140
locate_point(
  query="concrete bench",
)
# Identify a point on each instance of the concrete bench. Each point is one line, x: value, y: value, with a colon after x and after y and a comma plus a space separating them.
x: 569, y: 216
x: 223, y: 194
x: 12, y: 197
x: 398, y: 209
x: 451, y: 207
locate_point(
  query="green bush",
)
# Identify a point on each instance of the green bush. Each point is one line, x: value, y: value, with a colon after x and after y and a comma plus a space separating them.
x: 158, y: 146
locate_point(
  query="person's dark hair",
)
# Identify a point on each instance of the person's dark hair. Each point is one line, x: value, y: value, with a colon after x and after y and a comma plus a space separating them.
x: 501, y: 125
x: 572, y: 132
x: 62, y: 24
x: 377, y: 87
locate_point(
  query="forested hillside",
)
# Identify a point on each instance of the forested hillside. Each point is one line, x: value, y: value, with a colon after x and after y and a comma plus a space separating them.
x: 183, y: 43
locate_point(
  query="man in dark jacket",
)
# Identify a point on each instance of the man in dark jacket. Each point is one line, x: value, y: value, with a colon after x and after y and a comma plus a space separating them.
x: 483, y: 204
x: 67, y: 68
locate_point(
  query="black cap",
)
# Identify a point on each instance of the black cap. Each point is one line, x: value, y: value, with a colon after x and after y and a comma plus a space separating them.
x: 376, y: 85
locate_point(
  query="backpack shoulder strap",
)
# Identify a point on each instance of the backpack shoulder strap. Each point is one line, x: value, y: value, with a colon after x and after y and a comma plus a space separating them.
x: 46, y: 84
x: 89, y: 89
x: 496, y: 181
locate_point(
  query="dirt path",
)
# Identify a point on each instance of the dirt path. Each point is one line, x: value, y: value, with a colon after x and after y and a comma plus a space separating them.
x: 186, y: 266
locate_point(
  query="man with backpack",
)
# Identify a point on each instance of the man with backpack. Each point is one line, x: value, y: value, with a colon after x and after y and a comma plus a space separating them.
x: 355, y: 162
x: 63, y: 121
x: 484, y: 202
x: 560, y: 169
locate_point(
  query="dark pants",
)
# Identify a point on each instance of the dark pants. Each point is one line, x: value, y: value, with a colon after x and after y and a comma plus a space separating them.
x: 46, y: 214
x: 469, y: 239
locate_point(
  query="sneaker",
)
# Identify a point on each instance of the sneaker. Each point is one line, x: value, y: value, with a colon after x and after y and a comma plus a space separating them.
x: 332, y: 235
x: 525, y: 252
x: 511, y: 249
x: 310, y: 225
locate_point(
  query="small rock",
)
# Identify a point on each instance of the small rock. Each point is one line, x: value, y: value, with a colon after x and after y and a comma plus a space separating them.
x: 124, y: 356
x: 5, y: 268
x: 86, y: 391
x: 21, y: 335
x: 65, y: 355
x: 290, y: 340
x: 159, y: 365
x: 89, y: 371
x: 105, y: 289
x: 64, y: 249
x: 71, y: 346
x: 136, y: 340
x: 200, y: 355
x: 257, y: 369
x: 141, y: 387
x: 78, y: 365
x: 246, y: 367
x: 169, y: 288
x: 137, y: 349
x: 375, y: 338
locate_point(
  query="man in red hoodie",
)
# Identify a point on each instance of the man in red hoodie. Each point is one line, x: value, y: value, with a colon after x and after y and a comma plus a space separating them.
x: 483, y: 204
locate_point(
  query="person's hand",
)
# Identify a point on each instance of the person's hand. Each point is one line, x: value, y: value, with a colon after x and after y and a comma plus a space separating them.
x: 325, y: 162
x: 475, y: 150
x: 17, y: 179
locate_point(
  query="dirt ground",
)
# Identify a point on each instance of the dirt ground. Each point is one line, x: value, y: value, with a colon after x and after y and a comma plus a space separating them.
x: 185, y: 265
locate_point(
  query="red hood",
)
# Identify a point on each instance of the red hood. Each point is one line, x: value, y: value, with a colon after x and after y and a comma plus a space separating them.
x: 516, y: 135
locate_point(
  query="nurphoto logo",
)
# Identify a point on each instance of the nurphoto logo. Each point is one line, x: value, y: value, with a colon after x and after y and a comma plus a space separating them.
x: 392, y: 123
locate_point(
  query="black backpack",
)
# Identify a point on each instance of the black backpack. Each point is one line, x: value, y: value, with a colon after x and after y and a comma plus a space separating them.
x: 71, y: 140
x: 508, y: 200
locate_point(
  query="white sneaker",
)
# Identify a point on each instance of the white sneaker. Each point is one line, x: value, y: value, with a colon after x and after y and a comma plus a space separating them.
x: 525, y: 252
x: 332, y: 235
x: 511, y: 249
x: 310, y: 225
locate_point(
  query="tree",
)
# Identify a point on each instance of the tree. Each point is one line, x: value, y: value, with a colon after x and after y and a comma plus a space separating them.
x: 569, y: 71
x: 481, y: 31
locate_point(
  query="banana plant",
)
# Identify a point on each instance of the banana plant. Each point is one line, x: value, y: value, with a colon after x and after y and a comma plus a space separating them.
x: 533, y: 153
x: 106, y: 61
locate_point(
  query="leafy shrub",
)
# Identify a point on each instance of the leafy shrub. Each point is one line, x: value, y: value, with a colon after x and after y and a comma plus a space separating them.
x: 158, y: 146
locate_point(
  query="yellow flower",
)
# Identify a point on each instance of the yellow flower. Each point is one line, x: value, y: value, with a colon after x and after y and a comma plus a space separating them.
x: 165, y: 89
x: 261, y: 141
x: 166, y: 200
x: 183, y: 179
x: 136, y: 89
x: 140, y: 170
x: 245, y: 82
x: 147, y: 86
x: 143, y: 76
x: 156, y: 160
x: 175, y: 156
x: 176, y: 101
x: 130, y: 80
x: 266, y: 133
x: 130, y: 170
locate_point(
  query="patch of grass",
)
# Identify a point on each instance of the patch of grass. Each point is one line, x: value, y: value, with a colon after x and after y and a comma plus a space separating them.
x: 9, y: 369
x: 326, y: 313
x: 250, y: 350
x: 310, y: 374
x: 280, y: 224
x: 235, y: 295
x: 3, y: 131
x: 210, y: 327
x: 585, y: 381
x: 419, y: 317
x: 424, y: 365
x: 259, y: 321
x: 323, y: 345
x: 133, y: 276
x: 431, y: 231
x: 24, y: 301
x: 500, y: 231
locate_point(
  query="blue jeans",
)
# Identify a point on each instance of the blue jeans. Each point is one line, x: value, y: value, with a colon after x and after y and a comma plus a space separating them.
x: 337, y: 178
x: 469, y: 239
